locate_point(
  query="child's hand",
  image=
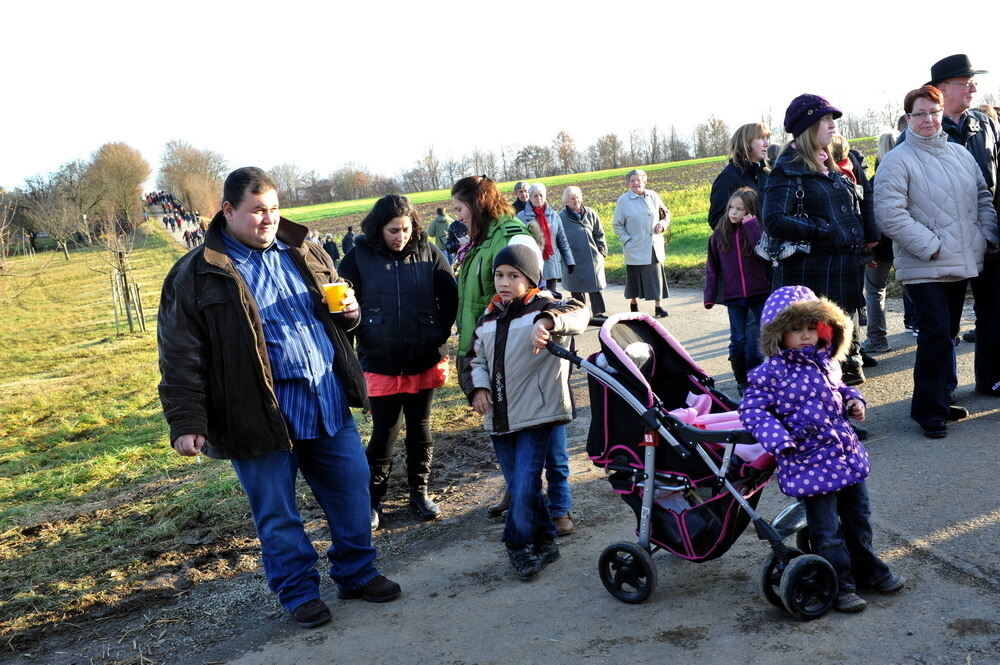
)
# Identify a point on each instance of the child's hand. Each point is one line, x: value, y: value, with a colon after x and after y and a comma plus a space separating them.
x: 856, y: 408
x: 482, y: 401
x: 748, y: 218
x: 540, y: 334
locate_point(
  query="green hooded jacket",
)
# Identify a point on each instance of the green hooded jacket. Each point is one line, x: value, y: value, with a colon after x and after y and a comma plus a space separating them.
x: 475, y: 277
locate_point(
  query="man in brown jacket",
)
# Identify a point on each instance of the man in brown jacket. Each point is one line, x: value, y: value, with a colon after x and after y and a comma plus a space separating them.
x: 255, y: 369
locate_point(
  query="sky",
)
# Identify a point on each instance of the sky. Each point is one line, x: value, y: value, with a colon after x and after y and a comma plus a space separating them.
x: 379, y: 83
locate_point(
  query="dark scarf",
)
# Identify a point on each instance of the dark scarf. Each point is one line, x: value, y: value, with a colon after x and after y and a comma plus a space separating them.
x: 575, y: 216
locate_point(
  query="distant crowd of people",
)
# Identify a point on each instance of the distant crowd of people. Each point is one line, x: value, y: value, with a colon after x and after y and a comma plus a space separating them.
x: 177, y: 219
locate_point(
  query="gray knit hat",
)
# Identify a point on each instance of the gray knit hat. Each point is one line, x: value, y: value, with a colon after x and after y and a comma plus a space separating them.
x: 522, y: 257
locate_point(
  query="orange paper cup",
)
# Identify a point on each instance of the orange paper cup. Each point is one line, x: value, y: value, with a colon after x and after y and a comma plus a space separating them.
x: 334, y: 293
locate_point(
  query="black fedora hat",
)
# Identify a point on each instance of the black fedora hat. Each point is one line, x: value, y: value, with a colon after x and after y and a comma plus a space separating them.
x: 952, y: 67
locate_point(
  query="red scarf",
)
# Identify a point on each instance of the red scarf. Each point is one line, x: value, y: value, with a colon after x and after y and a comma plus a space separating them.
x: 543, y: 222
x: 847, y: 168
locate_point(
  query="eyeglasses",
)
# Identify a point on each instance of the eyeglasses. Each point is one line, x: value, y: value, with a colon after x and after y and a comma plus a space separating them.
x: 923, y: 115
x: 963, y: 84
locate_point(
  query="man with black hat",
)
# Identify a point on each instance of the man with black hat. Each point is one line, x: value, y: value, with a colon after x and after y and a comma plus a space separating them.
x: 980, y: 135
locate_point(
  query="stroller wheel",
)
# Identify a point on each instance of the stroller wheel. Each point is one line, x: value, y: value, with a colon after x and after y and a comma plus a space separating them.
x: 627, y: 572
x: 808, y: 587
x: 770, y: 577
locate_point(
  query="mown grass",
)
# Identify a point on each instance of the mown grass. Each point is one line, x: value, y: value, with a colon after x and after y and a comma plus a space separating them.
x: 326, y: 211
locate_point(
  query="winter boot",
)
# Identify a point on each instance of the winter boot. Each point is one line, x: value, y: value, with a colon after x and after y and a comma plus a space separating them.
x: 739, y: 365
x: 376, y: 490
x: 418, y: 470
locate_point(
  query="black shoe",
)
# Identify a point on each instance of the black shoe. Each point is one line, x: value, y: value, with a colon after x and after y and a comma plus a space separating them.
x: 379, y: 589
x: 423, y: 506
x: 633, y: 307
x: 861, y: 432
x: 311, y: 613
x: 598, y: 319
x: 526, y: 563
x: 659, y: 312
x: 547, y: 552
x: 497, y: 509
x: 854, y: 377
x: 935, y: 430
x: 867, y: 360
x: 957, y: 413
x: 969, y: 336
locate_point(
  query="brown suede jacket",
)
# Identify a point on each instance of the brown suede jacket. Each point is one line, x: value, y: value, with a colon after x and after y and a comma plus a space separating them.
x: 216, y: 377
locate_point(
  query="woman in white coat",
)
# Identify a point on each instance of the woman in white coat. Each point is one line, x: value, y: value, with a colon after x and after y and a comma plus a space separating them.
x: 932, y: 200
x: 639, y: 222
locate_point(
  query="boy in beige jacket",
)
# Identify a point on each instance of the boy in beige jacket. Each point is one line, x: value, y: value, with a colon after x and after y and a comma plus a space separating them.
x: 522, y: 393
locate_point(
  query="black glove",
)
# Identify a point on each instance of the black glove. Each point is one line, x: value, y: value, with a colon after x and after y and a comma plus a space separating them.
x: 570, y: 269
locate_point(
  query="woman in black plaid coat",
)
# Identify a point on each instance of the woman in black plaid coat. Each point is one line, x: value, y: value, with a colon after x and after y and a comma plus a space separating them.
x: 807, y: 198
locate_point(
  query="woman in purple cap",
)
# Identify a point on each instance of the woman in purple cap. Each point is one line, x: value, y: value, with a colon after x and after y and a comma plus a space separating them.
x: 807, y: 198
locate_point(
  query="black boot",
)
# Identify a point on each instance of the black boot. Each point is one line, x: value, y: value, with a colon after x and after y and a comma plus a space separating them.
x: 376, y: 490
x: 739, y: 365
x: 423, y: 505
x: 419, y: 455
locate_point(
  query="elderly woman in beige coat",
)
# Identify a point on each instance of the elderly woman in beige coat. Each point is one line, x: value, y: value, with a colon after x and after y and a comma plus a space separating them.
x: 932, y: 200
x: 639, y: 222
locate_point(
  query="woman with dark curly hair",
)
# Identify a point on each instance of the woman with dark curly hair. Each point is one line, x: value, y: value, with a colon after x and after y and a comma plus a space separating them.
x: 408, y: 299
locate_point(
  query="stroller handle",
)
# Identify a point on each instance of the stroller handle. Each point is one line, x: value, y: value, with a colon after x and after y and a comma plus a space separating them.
x: 563, y: 352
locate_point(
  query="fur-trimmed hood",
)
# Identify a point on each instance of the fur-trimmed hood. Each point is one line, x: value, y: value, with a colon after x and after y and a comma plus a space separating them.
x: 792, y: 307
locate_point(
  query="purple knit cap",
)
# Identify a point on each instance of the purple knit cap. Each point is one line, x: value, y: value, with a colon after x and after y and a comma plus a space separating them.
x: 782, y: 298
x: 805, y: 111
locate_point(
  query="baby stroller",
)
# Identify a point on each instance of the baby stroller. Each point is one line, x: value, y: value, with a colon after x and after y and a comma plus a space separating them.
x: 673, y: 450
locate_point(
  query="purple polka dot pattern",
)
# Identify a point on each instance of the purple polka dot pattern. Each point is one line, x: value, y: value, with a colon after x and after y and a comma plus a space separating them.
x: 794, y: 407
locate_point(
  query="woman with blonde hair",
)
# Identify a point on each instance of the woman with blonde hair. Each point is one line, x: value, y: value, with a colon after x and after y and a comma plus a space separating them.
x: 747, y: 167
x: 807, y: 198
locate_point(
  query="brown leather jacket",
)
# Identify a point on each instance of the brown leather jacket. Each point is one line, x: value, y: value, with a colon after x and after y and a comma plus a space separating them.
x: 216, y: 377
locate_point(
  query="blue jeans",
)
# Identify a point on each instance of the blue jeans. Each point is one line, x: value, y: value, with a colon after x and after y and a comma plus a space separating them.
x: 337, y: 472
x: 557, y: 473
x: 521, y: 456
x: 744, y: 328
x: 840, y: 531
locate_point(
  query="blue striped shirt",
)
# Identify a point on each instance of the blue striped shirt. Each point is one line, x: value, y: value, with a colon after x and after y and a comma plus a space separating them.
x: 300, y: 351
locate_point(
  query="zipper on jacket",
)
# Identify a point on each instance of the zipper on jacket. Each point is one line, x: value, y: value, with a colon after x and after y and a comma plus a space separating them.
x: 739, y: 260
x: 399, y: 304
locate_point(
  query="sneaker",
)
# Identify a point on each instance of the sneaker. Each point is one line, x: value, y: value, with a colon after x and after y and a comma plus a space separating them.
x: 876, y: 348
x: 376, y: 518
x: 854, y: 377
x: 526, y: 563
x: 916, y: 332
x: 867, y: 360
x: 379, y: 589
x: 957, y: 413
x: 311, y: 613
x: 891, y: 585
x: 547, y: 552
x: 564, y: 525
x: 849, y: 602
x: 969, y: 336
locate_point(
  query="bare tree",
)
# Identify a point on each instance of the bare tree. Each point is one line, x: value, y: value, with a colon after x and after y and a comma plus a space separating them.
x: 533, y: 161
x: 636, y: 148
x: 456, y: 168
x: 15, y: 277
x: 117, y: 172
x: 290, y: 182
x: 609, y: 152
x: 350, y: 182
x: 711, y: 138
x: 194, y: 175
x: 656, y: 147
x: 431, y: 167
x: 677, y: 148
x: 50, y: 211
x: 565, y: 152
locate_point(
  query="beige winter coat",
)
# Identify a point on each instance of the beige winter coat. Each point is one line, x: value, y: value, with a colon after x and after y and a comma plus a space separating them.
x: 930, y: 198
x: 635, y: 218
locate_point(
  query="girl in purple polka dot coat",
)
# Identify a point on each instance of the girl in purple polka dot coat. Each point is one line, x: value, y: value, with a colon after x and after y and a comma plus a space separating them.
x: 796, y: 405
